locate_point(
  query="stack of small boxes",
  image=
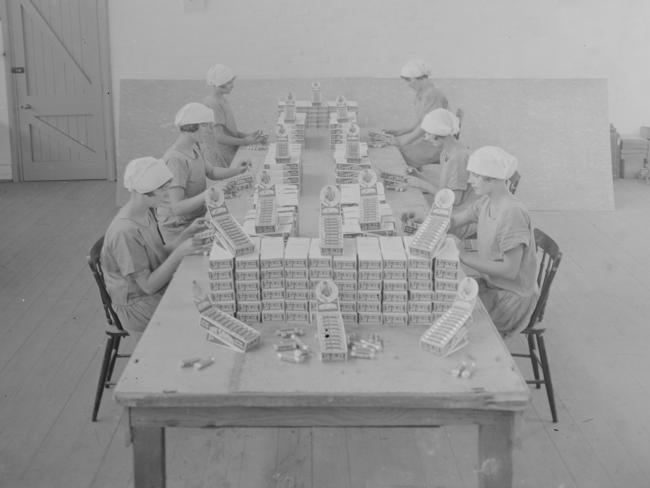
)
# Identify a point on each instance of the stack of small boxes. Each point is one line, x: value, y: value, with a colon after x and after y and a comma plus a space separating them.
x: 420, y: 286
x: 634, y: 156
x: 293, y: 122
x: 345, y: 276
x: 317, y: 111
x: 296, y: 279
x: 234, y: 185
x: 330, y: 228
x: 369, y: 216
x: 395, y: 290
x: 329, y: 323
x: 221, y: 279
x: 320, y: 268
x: 350, y: 157
x: 370, y: 276
x: 247, y: 285
x: 445, y: 277
x: 266, y: 214
x: 272, y: 274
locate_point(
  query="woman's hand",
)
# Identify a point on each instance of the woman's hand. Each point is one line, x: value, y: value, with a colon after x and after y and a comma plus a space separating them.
x: 243, y: 165
x: 391, y: 132
x: 198, y: 225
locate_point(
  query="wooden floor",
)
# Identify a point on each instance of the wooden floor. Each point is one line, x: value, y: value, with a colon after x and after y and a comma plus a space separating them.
x: 51, y: 338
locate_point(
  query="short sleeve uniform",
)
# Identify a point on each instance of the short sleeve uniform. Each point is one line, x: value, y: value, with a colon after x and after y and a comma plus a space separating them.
x: 508, y: 301
x: 188, y: 173
x: 132, y: 250
x: 420, y: 152
x: 224, y: 117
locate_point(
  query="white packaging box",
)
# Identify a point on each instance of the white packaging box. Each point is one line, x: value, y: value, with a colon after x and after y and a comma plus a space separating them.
x: 296, y: 252
x: 272, y: 305
x: 296, y: 274
x: 272, y: 274
x: 394, y: 307
x: 422, y: 295
x: 347, y: 296
x: 395, y: 319
x: 297, y: 316
x: 369, y: 253
x: 420, y: 307
x: 348, y: 306
x: 371, y: 318
x: 395, y: 285
x: 420, y: 318
x: 347, y: 286
x: 247, y: 274
x: 273, y: 315
x: 413, y: 261
x: 269, y: 283
x: 251, y: 260
x: 220, y: 275
x: 222, y: 296
x: 249, y: 317
x: 348, y: 260
x: 272, y: 253
x: 374, y: 285
x: 272, y: 294
x: 393, y: 253
x: 350, y: 318
x: 246, y: 286
x: 345, y: 275
x: 220, y: 258
x: 296, y: 305
x: 395, y: 296
x: 249, y: 306
x: 370, y: 274
x: 316, y: 258
x: 249, y: 296
x: 445, y: 285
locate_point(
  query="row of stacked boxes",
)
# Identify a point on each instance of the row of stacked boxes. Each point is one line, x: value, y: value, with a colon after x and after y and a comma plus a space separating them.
x: 379, y: 281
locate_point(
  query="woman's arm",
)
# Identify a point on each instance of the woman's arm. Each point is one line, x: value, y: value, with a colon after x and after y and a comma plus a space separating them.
x: 463, y: 217
x: 242, y: 140
x: 218, y: 173
x: 179, y: 205
x: 410, y: 136
x: 508, y: 268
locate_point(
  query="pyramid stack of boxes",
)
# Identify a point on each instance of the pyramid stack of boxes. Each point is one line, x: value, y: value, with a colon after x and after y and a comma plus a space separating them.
x: 350, y: 157
x: 296, y: 279
x: 634, y: 156
x: 362, y: 203
x: 340, y: 122
x: 317, y: 112
x: 293, y: 122
x: 272, y: 283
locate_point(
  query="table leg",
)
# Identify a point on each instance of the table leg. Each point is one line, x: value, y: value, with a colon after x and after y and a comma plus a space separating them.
x: 495, y: 444
x: 148, y: 457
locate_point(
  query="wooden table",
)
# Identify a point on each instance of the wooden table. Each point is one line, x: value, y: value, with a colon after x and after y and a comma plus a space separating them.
x: 404, y: 386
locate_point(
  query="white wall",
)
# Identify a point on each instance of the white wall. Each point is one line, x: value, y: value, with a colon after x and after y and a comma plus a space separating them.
x: 357, y: 38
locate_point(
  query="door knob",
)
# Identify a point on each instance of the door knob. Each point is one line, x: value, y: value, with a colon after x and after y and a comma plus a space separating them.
x: 26, y: 106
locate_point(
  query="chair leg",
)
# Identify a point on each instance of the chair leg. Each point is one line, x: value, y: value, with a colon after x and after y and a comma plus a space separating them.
x: 115, y: 354
x: 533, y: 358
x: 102, y: 376
x: 547, y: 377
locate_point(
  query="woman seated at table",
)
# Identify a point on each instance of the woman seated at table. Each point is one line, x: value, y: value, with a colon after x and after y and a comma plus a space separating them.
x: 227, y: 137
x: 506, y: 259
x: 137, y: 264
x: 185, y: 159
x: 415, y: 150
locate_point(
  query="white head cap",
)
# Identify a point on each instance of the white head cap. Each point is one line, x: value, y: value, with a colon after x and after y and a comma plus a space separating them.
x: 415, y: 68
x: 219, y: 75
x: 493, y: 162
x: 194, y: 113
x: 143, y: 175
x: 441, y: 122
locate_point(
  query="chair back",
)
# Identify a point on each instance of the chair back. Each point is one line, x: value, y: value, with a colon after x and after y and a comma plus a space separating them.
x: 549, y: 256
x: 93, y: 259
x: 513, y: 182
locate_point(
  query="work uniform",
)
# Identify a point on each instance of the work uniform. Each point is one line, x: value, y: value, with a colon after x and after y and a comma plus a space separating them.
x: 131, y: 250
x: 223, y: 117
x: 508, y: 301
x: 420, y: 152
x: 188, y: 173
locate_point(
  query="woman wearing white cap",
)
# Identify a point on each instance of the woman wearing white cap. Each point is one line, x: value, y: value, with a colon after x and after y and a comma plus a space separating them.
x: 228, y: 137
x: 415, y: 151
x: 137, y: 264
x: 440, y: 126
x: 190, y: 170
x: 506, y: 257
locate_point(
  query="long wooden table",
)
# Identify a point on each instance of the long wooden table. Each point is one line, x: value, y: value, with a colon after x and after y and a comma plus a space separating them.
x: 403, y: 386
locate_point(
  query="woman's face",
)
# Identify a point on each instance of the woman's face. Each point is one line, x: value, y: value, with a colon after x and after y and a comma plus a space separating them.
x: 436, y: 141
x: 480, y: 184
x: 161, y: 194
x: 227, y: 87
x: 414, y: 83
x: 203, y: 133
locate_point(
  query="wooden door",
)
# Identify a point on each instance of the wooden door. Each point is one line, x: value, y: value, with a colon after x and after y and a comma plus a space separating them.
x: 57, y: 78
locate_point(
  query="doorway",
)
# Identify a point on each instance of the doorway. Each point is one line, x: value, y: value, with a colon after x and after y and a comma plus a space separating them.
x: 59, y: 88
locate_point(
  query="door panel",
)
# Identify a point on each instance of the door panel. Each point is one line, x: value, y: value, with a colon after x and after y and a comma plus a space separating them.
x: 59, y: 94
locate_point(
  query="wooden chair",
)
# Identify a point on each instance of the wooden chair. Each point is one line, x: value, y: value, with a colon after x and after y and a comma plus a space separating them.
x: 114, y: 329
x: 550, y: 257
